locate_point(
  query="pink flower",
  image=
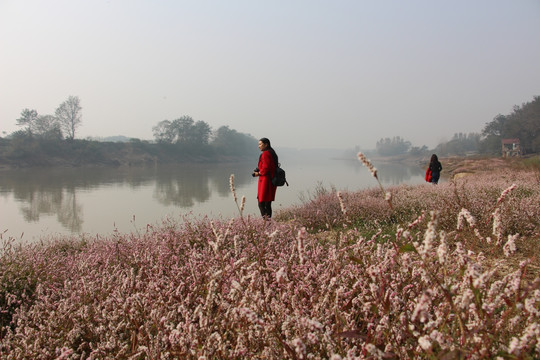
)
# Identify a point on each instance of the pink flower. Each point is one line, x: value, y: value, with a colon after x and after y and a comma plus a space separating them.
x: 442, y: 251
x: 65, y: 352
x: 367, y: 164
x: 424, y: 342
x: 231, y: 184
x: 497, y: 227
x: 299, y: 347
x: 505, y: 192
x: 465, y: 214
x: 510, y: 246
x: 422, y: 308
x: 300, y: 243
x: 281, y: 276
x: 341, y: 203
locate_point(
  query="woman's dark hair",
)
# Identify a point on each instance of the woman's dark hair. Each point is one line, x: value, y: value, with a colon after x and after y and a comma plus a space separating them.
x: 434, y: 158
x: 272, y: 151
x: 265, y: 141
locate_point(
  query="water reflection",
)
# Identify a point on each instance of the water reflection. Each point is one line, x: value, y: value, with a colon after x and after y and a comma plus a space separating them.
x: 62, y: 203
x: 242, y: 176
x: 183, y: 186
x: 393, y: 173
x: 76, y: 200
x: 187, y: 185
x: 46, y: 192
x: 40, y: 192
x: 397, y: 173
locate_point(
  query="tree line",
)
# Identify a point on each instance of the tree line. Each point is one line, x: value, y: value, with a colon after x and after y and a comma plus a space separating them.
x: 197, y: 137
x: 522, y: 123
x: 64, y: 122
x: 51, y: 139
x: 187, y: 132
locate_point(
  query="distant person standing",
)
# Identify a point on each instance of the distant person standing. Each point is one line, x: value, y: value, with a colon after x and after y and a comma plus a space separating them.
x: 266, y: 192
x: 435, y: 168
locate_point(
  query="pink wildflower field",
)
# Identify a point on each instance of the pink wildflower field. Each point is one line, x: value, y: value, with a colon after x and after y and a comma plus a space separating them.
x: 428, y: 272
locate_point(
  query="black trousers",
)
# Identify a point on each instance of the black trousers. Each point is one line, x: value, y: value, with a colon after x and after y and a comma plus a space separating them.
x: 266, y: 208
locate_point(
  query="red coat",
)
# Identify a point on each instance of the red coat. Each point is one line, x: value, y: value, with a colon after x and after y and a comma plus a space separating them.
x: 267, y: 167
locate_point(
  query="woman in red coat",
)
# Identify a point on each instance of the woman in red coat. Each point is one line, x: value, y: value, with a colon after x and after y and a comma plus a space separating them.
x: 266, y: 192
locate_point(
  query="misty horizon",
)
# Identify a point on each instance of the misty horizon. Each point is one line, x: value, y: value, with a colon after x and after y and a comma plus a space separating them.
x: 303, y: 74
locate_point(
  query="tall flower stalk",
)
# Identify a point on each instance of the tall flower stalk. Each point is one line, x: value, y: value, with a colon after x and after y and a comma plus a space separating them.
x: 367, y: 163
x: 242, y: 204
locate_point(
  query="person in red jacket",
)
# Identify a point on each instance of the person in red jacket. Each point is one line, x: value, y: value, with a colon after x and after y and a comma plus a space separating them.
x: 434, y: 169
x: 266, y: 192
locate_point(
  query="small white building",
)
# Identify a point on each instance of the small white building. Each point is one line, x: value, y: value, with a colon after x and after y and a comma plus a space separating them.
x: 511, y: 148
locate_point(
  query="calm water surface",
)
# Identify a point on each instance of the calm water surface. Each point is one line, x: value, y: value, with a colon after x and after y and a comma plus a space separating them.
x: 36, y: 203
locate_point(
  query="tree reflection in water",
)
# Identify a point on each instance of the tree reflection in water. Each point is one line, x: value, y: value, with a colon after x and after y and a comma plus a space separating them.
x: 55, y: 191
x: 62, y: 203
x: 183, y: 186
x: 43, y: 192
x: 186, y: 185
x: 111, y: 194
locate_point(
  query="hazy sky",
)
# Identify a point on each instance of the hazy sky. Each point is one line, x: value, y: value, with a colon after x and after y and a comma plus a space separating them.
x: 304, y: 73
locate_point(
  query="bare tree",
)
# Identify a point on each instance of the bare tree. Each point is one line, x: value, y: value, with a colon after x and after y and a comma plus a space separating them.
x: 47, y: 126
x: 69, y: 116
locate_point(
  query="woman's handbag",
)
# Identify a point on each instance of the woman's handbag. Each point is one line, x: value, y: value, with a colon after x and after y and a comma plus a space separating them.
x: 428, y: 175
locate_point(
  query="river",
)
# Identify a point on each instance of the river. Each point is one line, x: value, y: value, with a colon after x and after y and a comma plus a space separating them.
x: 39, y: 203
